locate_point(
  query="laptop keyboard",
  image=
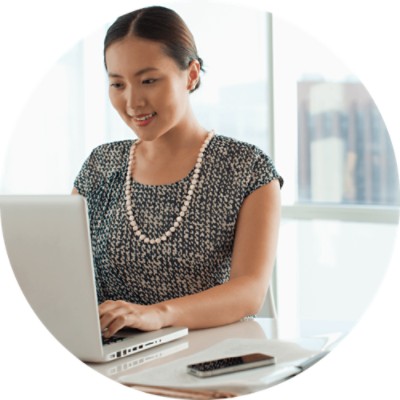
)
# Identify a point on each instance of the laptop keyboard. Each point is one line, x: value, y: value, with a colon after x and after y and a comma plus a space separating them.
x: 121, y: 335
x: 112, y: 339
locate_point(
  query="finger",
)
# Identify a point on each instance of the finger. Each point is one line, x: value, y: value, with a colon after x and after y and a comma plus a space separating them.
x: 107, y: 318
x: 121, y: 321
x: 109, y: 305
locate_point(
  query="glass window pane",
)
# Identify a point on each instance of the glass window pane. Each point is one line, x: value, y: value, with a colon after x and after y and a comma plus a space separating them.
x: 345, y: 154
x: 328, y: 275
x: 332, y: 148
x: 340, y: 152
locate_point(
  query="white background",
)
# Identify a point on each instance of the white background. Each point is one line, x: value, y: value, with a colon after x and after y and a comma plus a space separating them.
x: 364, y: 34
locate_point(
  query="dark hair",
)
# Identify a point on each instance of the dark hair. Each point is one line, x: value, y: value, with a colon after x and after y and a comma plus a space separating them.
x: 159, y: 24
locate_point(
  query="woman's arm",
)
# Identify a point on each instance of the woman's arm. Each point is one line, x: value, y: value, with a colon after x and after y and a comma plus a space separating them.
x: 251, y: 268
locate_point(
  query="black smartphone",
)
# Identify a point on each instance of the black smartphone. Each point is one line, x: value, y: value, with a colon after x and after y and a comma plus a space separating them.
x: 230, y: 364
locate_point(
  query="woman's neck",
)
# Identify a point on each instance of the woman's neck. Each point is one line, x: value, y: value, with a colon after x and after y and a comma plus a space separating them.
x: 181, y: 140
x: 170, y: 157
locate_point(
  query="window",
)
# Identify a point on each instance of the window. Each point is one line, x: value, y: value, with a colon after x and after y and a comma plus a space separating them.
x: 341, y: 192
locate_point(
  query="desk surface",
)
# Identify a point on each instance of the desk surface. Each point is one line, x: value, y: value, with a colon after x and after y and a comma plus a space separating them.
x: 165, y: 365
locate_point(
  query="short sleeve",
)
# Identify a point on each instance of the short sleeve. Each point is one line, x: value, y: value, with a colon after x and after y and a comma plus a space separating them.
x: 262, y: 172
x: 88, y: 176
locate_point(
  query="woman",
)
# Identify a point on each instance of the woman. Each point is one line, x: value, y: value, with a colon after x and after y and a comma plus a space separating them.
x: 184, y: 222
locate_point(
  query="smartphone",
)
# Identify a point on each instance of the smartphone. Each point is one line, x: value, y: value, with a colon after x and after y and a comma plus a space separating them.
x: 230, y: 364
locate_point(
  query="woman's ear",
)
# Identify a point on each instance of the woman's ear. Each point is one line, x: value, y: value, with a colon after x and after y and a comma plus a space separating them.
x: 193, y: 75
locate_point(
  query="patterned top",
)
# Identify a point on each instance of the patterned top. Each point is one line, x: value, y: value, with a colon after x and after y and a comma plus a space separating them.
x: 198, y: 254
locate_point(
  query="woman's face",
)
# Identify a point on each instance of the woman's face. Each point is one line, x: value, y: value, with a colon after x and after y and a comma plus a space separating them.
x: 147, y: 88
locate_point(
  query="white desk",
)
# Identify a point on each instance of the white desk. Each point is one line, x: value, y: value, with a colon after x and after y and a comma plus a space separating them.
x: 165, y: 365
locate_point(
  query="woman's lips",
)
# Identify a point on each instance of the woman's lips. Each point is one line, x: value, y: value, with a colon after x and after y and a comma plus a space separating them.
x: 144, y: 119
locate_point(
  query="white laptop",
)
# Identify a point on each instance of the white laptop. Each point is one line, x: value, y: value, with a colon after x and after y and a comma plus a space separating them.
x: 48, y: 244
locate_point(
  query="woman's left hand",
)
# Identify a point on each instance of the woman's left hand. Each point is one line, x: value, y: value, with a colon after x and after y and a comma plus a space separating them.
x: 115, y: 315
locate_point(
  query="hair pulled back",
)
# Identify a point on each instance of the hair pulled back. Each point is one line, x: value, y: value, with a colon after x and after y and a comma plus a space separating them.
x: 161, y: 25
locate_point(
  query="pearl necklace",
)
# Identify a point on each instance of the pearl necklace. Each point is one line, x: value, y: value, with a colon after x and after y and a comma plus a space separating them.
x: 179, y: 219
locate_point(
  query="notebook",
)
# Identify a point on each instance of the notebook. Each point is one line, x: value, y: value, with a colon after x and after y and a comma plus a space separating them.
x: 47, y: 238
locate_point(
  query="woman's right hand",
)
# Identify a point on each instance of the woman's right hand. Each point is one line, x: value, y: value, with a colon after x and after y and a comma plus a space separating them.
x: 116, y: 315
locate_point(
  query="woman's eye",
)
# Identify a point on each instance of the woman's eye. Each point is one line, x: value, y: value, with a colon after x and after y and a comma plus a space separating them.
x: 149, y: 81
x: 116, y: 85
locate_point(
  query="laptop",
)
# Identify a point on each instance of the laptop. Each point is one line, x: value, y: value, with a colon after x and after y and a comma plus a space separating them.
x: 47, y: 238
